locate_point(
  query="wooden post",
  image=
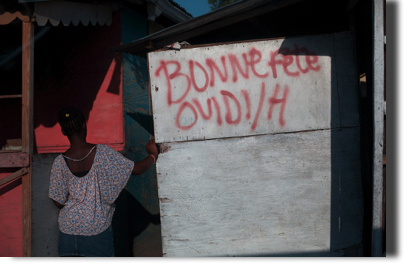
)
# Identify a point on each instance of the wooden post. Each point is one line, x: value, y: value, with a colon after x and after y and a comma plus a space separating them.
x: 378, y: 104
x: 27, y: 132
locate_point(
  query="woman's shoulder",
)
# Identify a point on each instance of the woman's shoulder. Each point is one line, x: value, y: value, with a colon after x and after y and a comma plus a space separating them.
x: 104, y: 150
x: 105, y: 147
x: 58, y: 163
x: 58, y: 159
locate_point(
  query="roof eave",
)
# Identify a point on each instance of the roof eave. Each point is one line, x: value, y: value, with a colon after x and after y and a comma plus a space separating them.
x: 170, y: 11
x: 221, y: 16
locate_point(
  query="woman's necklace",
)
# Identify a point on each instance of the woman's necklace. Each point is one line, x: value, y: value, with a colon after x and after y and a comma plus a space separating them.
x: 78, y: 160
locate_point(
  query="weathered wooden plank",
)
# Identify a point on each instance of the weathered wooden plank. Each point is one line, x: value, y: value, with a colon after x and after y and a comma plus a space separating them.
x: 9, y: 151
x: 14, y: 159
x: 27, y: 86
x: 28, y: 30
x: 378, y: 104
x: 276, y: 195
x: 12, y: 144
x: 13, y: 176
x: 10, y: 96
x: 192, y: 101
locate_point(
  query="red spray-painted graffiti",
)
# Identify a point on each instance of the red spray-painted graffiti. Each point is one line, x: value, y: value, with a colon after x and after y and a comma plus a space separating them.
x: 293, y: 64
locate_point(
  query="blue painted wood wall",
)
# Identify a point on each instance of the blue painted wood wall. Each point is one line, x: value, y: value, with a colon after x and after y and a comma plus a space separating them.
x: 143, y: 220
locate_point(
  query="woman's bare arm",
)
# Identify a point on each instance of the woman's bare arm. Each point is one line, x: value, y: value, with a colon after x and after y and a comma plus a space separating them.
x: 59, y: 205
x: 142, y: 166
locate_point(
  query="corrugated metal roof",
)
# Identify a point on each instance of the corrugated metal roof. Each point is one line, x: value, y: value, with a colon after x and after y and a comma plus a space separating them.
x: 180, y: 7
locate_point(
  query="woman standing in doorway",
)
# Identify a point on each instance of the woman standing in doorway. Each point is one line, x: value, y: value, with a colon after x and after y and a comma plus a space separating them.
x: 84, y: 182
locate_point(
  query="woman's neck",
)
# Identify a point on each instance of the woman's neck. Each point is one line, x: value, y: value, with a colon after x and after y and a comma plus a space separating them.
x: 77, y: 141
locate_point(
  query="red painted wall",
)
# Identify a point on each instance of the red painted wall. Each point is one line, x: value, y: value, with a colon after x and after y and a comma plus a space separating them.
x: 10, y: 216
x: 73, y: 66
x: 77, y: 68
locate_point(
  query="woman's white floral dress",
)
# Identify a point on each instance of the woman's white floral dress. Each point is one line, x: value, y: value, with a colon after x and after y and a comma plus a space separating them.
x: 89, y: 200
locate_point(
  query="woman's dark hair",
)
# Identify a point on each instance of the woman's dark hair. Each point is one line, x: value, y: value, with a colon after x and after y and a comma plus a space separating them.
x: 71, y: 120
